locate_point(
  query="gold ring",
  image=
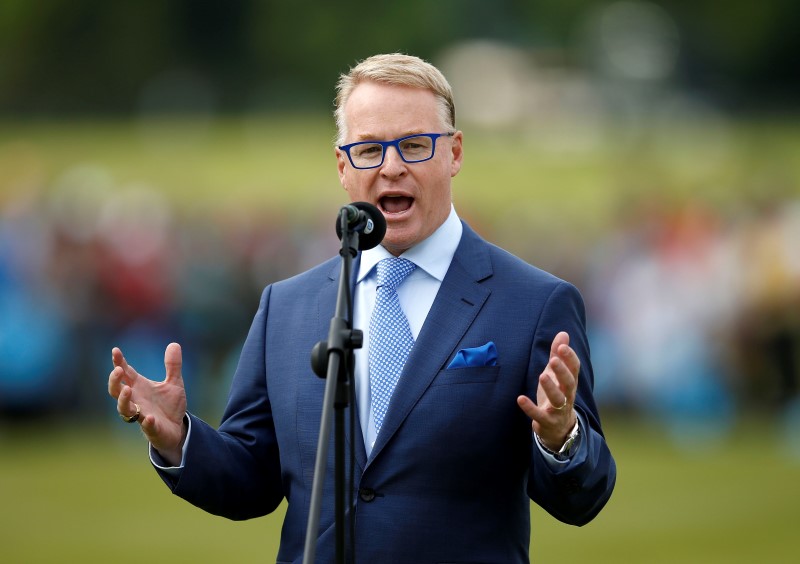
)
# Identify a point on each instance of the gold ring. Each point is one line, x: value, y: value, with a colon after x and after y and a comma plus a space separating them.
x: 133, y: 418
x: 556, y: 408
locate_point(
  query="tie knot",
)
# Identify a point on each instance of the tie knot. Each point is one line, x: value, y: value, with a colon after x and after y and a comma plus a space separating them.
x: 392, y: 271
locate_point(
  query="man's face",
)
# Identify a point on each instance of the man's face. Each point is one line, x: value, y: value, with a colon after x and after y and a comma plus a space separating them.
x: 414, y: 198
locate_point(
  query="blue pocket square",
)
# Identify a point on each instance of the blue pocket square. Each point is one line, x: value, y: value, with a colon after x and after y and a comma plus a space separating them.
x: 485, y: 355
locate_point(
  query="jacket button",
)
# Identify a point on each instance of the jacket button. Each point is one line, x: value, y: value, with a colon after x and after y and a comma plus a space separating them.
x: 366, y: 494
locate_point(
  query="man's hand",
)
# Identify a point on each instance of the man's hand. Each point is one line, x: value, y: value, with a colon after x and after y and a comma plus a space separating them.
x: 162, y: 404
x: 553, y: 416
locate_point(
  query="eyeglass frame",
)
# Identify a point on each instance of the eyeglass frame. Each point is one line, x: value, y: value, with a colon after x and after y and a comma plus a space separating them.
x: 396, y: 144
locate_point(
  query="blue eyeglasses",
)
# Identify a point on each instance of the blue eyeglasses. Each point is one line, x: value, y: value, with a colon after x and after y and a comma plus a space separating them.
x: 415, y: 148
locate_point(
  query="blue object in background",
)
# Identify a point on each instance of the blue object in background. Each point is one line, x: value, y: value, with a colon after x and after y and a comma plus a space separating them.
x: 34, y: 347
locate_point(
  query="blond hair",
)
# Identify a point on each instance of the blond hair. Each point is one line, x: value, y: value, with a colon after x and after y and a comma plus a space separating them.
x: 395, y: 69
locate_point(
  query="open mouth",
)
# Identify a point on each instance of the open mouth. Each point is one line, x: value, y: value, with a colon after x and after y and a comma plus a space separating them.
x: 395, y: 204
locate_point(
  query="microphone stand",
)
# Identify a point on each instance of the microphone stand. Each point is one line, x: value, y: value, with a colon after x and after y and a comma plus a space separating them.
x: 332, y: 360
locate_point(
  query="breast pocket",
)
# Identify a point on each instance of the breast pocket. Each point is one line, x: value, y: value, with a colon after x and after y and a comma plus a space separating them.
x: 467, y: 375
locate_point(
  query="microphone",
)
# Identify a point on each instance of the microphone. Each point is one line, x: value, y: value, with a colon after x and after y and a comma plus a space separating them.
x: 365, y: 219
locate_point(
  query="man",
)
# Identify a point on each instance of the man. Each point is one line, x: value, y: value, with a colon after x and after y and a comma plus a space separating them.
x: 451, y: 447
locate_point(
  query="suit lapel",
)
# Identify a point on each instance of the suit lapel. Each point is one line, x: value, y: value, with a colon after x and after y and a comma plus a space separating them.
x: 460, y: 298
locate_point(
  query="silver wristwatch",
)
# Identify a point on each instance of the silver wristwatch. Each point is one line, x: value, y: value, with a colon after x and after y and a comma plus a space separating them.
x: 573, y: 436
x: 564, y: 452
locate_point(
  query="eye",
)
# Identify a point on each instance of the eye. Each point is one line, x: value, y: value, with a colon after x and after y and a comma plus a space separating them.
x: 412, y: 144
x: 367, y: 150
x: 416, y: 147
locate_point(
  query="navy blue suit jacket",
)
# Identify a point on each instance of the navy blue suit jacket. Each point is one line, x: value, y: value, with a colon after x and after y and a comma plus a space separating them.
x: 454, y: 468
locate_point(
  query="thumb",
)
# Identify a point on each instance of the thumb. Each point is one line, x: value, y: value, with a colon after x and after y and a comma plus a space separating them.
x: 173, y: 361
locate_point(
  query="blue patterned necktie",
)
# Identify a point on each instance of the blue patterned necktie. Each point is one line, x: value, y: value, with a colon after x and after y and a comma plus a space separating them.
x: 390, y: 338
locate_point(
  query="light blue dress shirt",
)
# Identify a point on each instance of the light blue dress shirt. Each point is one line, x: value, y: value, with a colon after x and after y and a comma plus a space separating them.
x: 417, y: 292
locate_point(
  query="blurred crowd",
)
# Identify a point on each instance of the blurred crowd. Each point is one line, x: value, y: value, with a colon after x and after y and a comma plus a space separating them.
x: 91, y: 265
x: 694, y: 317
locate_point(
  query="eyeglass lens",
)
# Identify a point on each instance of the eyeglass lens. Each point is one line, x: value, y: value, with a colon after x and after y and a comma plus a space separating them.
x: 412, y: 149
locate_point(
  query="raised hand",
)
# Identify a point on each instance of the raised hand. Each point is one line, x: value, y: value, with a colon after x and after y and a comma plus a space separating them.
x: 161, y: 405
x: 553, y: 416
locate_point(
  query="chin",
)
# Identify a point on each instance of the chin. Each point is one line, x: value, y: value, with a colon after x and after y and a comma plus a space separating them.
x: 395, y: 245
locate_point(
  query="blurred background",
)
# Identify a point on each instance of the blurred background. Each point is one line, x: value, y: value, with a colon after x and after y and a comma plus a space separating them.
x: 161, y: 162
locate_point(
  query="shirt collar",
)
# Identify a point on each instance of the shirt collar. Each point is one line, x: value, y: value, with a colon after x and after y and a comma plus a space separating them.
x: 433, y: 255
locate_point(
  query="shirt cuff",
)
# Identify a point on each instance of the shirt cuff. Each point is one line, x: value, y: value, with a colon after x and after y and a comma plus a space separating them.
x: 158, y: 461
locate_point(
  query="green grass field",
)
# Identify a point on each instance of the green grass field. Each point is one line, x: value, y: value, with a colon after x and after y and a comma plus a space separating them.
x: 89, y: 495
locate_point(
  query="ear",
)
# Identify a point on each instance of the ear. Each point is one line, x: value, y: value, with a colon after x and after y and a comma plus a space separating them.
x: 457, y: 153
x: 341, y: 166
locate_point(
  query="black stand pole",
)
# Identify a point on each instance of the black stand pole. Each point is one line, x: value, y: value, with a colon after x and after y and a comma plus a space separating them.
x: 332, y: 359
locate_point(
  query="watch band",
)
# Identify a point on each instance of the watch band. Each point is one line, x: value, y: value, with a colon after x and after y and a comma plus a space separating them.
x: 570, y: 442
x: 564, y: 452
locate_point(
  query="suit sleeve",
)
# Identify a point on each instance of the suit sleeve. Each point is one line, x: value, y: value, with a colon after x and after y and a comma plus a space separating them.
x: 575, y: 492
x: 235, y: 471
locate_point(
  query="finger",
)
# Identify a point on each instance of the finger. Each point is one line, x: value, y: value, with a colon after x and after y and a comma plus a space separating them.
x: 564, y: 377
x: 570, y: 358
x: 125, y: 404
x: 173, y: 362
x: 115, y: 383
x: 149, y: 427
x: 148, y: 424
x: 117, y: 357
x: 529, y: 408
x: 552, y: 390
x: 119, y: 360
x: 562, y: 338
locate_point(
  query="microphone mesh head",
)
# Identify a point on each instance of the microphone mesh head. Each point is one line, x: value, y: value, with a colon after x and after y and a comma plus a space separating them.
x: 372, y: 233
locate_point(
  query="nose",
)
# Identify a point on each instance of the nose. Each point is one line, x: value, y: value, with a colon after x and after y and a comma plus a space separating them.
x: 393, y: 164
